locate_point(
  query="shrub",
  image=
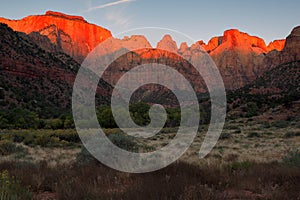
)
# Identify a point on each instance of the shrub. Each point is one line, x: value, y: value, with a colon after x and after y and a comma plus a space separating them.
x: 266, y: 125
x: 85, y: 158
x: 225, y: 135
x: 240, y: 165
x: 252, y: 109
x: 291, y: 134
x: 231, y: 127
x: 124, y: 142
x: 280, y: 124
x: 8, y: 147
x: 55, y: 124
x: 29, y: 140
x: 292, y: 159
x: 69, y: 136
x: 11, y: 189
x: 253, y: 134
x: 238, y: 131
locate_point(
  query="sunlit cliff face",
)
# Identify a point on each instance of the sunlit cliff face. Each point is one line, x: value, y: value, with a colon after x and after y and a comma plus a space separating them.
x: 72, y: 34
x: 241, y: 58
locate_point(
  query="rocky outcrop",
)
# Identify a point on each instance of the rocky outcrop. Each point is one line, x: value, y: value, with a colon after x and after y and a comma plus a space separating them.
x: 213, y: 44
x: 238, y: 57
x: 183, y: 47
x: 292, y: 45
x: 276, y: 45
x: 35, y: 77
x: 290, y: 52
x: 72, y: 34
x: 241, y: 58
x: 167, y: 43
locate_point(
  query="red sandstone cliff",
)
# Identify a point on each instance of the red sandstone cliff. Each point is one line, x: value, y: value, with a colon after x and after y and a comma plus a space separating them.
x: 72, y: 34
x: 241, y: 58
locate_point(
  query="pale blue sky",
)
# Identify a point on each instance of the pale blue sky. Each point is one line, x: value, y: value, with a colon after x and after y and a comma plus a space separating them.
x: 269, y: 19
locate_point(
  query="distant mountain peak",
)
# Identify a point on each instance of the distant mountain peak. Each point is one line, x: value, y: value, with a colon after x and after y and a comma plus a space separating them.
x: 72, y: 34
x: 296, y: 31
x: 65, y: 16
x: 167, y: 43
x: 276, y: 45
x: 183, y: 47
x: 236, y: 38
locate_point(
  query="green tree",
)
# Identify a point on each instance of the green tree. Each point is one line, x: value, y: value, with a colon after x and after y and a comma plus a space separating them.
x: 106, y: 119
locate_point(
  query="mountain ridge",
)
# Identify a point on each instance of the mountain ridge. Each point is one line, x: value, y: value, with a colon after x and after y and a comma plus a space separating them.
x: 240, y: 57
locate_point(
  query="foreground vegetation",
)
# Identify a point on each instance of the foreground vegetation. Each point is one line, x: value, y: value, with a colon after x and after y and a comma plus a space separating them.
x: 244, y: 180
x: 252, y: 160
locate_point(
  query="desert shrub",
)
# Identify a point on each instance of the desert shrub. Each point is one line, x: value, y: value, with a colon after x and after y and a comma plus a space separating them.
x: 85, y: 158
x: 240, y: 165
x: 267, y: 133
x: 8, y: 147
x: 18, y: 138
x: 237, y: 131
x: 10, y: 189
x: 280, y: 124
x: 69, y: 136
x: 44, y: 138
x: 4, y: 123
x: 180, y: 180
x: 291, y: 134
x: 55, y: 124
x: 124, y: 142
x: 252, y: 109
x: 231, y: 127
x: 106, y: 118
x: 47, y: 140
x: 169, y: 130
x: 253, y: 134
x: 225, y: 135
x: 266, y: 125
x: 293, y: 159
x: 19, y: 118
x: 29, y: 140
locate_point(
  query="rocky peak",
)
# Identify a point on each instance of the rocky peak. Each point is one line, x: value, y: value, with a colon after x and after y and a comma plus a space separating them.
x: 167, y: 43
x: 295, y: 32
x: 136, y: 41
x: 213, y: 43
x: 183, y: 47
x: 293, y: 40
x: 276, y: 45
x: 197, y: 46
x: 291, y: 50
x: 72, y: 34
x: 234, y: 38
x: 62, y: 15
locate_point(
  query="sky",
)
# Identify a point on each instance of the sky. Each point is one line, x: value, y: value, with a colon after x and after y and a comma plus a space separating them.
x: 198, y: 19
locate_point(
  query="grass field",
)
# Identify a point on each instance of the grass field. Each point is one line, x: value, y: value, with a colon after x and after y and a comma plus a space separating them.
x: 252, y: 160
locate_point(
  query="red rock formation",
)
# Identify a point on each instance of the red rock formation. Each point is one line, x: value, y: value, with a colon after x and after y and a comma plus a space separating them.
x: 183, y: 47
x: 45, y: 72
x: 167, y: 43
x: 234, y: 39
x: 276, y: 45
x: 292, y: 45
x: 238, y: 57
x: 241, y: 58
x: 290, y: 52
x: 213, y: 44
x: 72, y: 34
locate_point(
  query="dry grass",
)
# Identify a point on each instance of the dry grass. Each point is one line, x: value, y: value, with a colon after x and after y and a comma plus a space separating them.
x: 178, y: 181
x: 245, y: 164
